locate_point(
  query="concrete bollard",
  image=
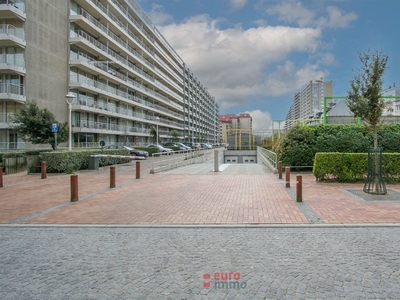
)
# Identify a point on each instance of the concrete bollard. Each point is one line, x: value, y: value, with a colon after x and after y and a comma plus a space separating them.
x: 216, y: 164
x: 299, y: 188
x: 137, y: 169
x: 1, y: 177
x: 112, y: 177
x: 43, y: 169
x: 74, y: 188
x: 287, y: 173
x: 280, y: 170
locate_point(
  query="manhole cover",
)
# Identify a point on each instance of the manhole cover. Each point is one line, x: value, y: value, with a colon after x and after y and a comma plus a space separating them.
x: 391, y: 196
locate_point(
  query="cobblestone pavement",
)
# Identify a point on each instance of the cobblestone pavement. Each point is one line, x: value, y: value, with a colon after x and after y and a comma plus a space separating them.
x: 314, y: 262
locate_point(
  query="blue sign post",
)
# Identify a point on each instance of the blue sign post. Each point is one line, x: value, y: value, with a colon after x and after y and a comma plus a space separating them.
x: 54, y: 128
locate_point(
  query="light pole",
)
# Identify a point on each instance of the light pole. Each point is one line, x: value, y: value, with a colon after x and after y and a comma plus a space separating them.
x: 70, y: 99
x: 157, y: 120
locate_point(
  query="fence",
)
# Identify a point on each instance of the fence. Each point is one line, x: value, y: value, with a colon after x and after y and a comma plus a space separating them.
x: 179, y: 159
x: 268, y: 157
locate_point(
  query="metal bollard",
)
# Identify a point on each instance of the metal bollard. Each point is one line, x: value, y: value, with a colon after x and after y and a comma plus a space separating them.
x: 112, y: 177
x: 280, y: 170
x: 299, y: 188
x: 287, y: 173
x: 137, y: 169
x: 43, y: 167
x: 74, y: 188
x: 1, y: 177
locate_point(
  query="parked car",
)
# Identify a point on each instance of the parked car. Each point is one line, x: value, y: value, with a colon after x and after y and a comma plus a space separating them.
x: 161, y: 149
x: 132, y: 151
x: 205, y: 146
x: 184, y: 147
x: 181, y: 146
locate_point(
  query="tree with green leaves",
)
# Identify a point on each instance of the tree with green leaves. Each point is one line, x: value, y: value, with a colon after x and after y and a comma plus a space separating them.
x: 153, y: 134
x: 175, y: 135
x: 365, y: 101
x: 34, y: 124
x: 365, y: 95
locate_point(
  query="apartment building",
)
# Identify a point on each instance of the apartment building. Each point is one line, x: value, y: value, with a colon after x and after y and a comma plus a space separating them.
x: 233, y: 124
x: 125, y: 77
x: 308, y: 103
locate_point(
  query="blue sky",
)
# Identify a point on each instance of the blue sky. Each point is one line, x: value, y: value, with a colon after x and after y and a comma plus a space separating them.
x: 253, y: 55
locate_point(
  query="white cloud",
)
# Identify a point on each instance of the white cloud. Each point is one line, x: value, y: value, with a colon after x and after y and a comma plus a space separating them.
x: 336, y: 18
x: 260, y: 119
x: 236, y: 63
x: 238, y: 4
x: 292, y: 12
x: 158, y: 16
x: 295, y: 12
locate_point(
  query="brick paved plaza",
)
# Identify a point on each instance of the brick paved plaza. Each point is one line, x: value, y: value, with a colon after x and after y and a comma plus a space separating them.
x: 169, y: 235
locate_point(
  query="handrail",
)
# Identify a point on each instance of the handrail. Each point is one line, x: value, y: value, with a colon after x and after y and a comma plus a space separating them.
x: 269, y: 157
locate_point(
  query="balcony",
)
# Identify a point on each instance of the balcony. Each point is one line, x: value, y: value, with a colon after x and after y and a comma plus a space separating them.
x: 6, y: 120
x: 12, y: 36
x: 90, y: 105
x: 104, y: 127
x: 12, y: 63
x: 15, y: 92
x: 12, y: 9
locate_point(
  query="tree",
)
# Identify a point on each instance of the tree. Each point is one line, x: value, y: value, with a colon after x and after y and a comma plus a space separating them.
x: 364, y: 97
x: 34, y: 124
x: 175, y: 135
x: 365, y: 101
x: 153, y: 134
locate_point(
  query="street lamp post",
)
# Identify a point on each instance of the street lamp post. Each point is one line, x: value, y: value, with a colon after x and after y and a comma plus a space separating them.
x: 157, y: 120
x: 70, y: 99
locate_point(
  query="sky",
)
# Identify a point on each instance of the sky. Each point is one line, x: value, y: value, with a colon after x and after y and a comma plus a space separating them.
x: 254, y: 55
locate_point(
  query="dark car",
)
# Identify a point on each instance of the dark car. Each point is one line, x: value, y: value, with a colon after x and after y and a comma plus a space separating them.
x: 132, y: 151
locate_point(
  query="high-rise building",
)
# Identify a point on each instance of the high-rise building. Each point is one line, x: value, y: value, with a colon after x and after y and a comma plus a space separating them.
x: 124, y: 75
x: 309, y: 102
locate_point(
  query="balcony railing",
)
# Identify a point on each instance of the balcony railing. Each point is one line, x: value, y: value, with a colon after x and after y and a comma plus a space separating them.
x: 110, y: 127
x: 15, y: 89
x: 123, y: 94
x: 6, y: 117
x: 12, y: 30
x: 6, y: 146
x: 91, y: 103
x: 12, y: 59
x: 20, y: 4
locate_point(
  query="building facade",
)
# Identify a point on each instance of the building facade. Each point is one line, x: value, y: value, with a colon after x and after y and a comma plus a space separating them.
x: 126, y: 78
x: 308, y: 103
x: 234, y: 124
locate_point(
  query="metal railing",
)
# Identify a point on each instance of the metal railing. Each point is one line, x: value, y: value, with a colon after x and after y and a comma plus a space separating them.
x: 12, y: 59
x: 20, y: 4
x: 6, y: 117
x: 126, y: 95
x: 268, y: 157
x: 12, y: 30
x: 163, y: 161
x: 9, y: 88
x: 9, y: 146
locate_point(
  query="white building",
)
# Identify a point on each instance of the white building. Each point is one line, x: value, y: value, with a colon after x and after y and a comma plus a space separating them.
x: 125, y: 76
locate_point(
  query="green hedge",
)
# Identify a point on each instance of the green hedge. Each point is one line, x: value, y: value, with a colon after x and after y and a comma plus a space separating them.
x: 8, y: 154
x: 353, y: 167
x: 300, y: 144
x: 69, y: 161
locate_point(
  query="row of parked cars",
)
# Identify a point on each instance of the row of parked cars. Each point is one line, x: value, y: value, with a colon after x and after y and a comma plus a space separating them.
x: 185, y: 147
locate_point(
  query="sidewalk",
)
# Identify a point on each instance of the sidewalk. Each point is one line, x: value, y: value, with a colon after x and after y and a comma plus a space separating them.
x: 238, y: 194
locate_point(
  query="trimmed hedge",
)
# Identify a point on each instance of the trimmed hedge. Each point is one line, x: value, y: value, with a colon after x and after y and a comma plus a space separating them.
x: 9, y: 154
x: 69, y: 161
x: 300, y: 144
x: 353, y: 167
